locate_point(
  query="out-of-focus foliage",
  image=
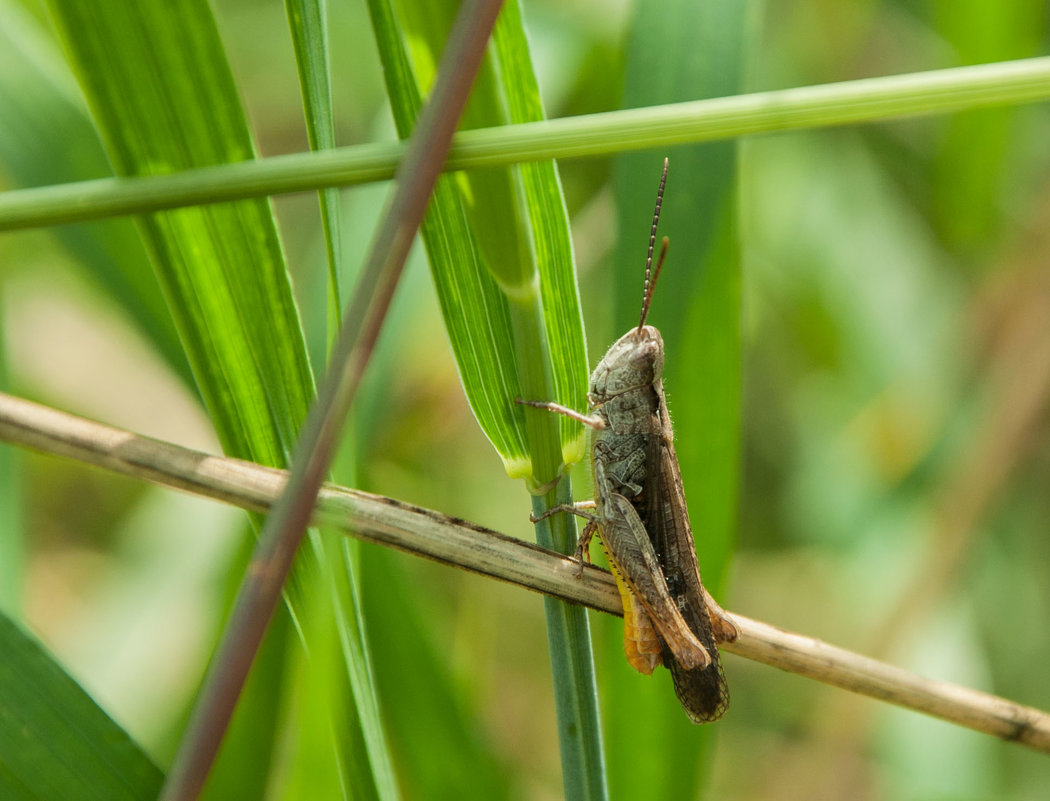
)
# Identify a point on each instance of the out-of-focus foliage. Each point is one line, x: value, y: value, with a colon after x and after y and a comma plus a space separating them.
x: 893, y: 486
x: 54, y: 739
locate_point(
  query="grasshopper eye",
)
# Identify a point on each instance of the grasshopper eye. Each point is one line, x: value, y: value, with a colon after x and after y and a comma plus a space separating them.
x: 647, y: 358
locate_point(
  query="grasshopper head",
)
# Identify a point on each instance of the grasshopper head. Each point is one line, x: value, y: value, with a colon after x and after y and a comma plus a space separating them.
x: 635, y: 361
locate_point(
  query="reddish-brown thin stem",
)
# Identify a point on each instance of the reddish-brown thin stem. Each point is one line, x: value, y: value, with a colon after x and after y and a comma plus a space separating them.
x: 283, y: 531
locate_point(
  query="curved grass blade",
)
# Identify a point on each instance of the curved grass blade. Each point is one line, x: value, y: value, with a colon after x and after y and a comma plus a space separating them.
x: 497, y: 238
x: 501, y: 259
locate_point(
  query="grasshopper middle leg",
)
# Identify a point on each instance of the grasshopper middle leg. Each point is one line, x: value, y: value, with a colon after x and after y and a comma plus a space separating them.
x: 579, y: 509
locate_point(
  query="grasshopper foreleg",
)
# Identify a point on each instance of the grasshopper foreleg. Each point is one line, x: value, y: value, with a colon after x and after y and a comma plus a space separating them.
x: 591, y: 421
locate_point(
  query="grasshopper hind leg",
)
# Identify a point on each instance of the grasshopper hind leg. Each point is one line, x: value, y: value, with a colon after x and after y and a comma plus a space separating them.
x: 642, y: 645
x: 722, y: 625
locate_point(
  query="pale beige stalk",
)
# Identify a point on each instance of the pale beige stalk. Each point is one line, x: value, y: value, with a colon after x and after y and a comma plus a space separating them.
x: 456, y: 542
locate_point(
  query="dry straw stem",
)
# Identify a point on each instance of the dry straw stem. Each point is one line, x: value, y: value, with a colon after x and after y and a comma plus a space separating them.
x: 462, y: 544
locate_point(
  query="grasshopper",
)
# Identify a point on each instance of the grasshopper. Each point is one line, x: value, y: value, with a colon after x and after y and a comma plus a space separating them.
x: 640, y: 515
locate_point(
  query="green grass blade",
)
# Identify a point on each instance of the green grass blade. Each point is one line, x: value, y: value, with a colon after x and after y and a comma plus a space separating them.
x: 163, y: 98
x: 684, y: 52
x: 499, y: 252
x: 308, y: 24
x: 490, y: 233
x: 470, y: 299
x: 561, y: 331
x: 550, y: 239
x: 316, y: 699
x: 55, y: 742
x: 222, y: 266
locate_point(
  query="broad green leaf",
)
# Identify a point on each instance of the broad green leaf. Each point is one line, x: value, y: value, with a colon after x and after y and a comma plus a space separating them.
x: 55, y: 742
x: 683, y: 51
x: 221, y: 266
x: 163, y: 99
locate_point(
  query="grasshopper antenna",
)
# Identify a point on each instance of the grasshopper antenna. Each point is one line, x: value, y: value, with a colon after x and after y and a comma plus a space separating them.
x: 650, y: 274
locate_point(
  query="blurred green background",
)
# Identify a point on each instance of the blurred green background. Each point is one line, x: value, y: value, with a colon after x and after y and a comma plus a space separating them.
x: 896, y: 340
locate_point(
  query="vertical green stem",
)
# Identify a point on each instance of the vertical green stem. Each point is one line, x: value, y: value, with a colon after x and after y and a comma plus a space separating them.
x: 568, y: 631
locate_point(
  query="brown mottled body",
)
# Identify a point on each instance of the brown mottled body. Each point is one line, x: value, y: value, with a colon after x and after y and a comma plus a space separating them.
x: 635, y: 464
x: 642, y: 519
